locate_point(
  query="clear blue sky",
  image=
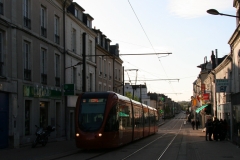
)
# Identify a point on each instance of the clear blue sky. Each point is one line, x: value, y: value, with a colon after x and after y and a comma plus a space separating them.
x: 181, y: 27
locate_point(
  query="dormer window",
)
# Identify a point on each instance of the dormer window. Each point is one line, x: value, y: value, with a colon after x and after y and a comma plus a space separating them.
x: 76, y: 13
x: 99, y: 39
x: 89, y: 23
x: 103, y: 44
x: 107, y: 46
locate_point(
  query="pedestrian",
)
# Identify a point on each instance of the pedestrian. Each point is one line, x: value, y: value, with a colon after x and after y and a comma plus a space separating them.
x: 210, y: 130
x: 193, y: 124
x: 208, y: 126
x: 197, y: 124
x: 216, y: 129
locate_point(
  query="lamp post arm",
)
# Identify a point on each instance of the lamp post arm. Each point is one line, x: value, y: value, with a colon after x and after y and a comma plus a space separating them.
x: 228, y: 15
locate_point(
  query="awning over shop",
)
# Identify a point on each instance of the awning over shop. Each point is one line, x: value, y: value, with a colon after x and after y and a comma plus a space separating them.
x: 121, y: 114
x: 201, y: 108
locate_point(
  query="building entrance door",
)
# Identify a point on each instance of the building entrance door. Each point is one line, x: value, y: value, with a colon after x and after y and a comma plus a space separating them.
x: 4, y: 101
x: 43, y: 114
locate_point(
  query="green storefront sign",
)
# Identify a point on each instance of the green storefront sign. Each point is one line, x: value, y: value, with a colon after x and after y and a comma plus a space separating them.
x: 69, y: 89
x: 43, y: 92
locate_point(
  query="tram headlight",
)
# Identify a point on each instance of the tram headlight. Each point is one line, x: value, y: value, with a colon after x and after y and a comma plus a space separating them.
x: 77, y: 134
x: 99, y: 134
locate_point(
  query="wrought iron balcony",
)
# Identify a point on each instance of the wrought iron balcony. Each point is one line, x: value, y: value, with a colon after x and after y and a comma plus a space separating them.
x: 27, y: 74
x: 57, y: 81
x: 27, y: 22
x: 1, y: 8
x: 1, y: 68
x: 43, y: 32
x: 44, y: 78
x: 57, y: 39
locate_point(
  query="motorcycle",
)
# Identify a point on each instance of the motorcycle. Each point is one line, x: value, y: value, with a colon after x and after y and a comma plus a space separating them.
x: 42, y: 135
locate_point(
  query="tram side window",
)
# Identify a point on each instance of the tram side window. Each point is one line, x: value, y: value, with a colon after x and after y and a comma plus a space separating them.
x: 152, y: 117
x: 146, y: 117
x: 138, y: 116
x: 112, y: 123
x: 156, y: 116
x: 124, y: 116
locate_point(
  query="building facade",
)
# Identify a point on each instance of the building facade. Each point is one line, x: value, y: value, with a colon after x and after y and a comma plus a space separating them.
x: 109, y: 65
x: 32, y: 71
x: 80, y: 60
x: 47, y: 58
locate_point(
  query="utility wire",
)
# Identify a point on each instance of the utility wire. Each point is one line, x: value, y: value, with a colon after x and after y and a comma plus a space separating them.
x: 149, y: 41
x: 141, y: 26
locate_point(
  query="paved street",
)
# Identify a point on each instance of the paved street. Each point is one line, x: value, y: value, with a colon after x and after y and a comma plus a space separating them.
x: 196, y: 148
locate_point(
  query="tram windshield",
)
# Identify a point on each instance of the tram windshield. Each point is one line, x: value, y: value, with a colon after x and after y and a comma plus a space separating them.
x: 91, y: 113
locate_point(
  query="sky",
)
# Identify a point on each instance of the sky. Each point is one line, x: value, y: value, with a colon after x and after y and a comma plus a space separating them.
x: 180, y: 27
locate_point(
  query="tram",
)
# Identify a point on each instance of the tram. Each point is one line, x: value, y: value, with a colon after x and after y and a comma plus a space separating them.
x: 110, y: 120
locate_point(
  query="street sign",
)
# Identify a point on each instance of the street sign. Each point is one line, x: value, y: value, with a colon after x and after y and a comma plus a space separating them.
x: 222, y: 85
x: 69, y: 89
x: 206, y: 96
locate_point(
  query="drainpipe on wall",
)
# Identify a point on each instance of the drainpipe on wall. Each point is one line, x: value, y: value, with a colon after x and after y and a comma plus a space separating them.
x: 64, y: 64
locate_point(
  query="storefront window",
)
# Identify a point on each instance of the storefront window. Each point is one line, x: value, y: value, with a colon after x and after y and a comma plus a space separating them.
x: 43, y: 114
x: 27, y: 117
x: 236, y: 120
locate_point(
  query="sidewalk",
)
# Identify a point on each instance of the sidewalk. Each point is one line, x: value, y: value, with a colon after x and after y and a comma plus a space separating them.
x: 50, y: 151
x: 199, y: 149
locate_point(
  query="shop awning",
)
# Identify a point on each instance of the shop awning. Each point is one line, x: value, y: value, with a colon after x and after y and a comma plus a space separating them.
x: 201, y: 108
x: 121, y: 114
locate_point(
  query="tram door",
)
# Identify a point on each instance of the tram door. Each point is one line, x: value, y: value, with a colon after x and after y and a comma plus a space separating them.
x: 4, y: 101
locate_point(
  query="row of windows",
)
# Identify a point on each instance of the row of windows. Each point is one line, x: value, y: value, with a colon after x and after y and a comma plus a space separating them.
x: 104, y: 87
x: 105, y: 70
x: 43, y: 31
x: 43, y: 64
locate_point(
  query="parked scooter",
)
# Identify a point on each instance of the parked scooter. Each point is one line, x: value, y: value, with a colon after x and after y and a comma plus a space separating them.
x: 42, y: 135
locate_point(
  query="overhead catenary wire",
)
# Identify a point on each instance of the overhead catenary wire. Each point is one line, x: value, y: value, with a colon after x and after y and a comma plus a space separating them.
x: 149, y: 42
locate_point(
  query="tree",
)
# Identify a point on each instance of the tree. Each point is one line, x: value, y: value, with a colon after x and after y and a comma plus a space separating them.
x: 129, y: 95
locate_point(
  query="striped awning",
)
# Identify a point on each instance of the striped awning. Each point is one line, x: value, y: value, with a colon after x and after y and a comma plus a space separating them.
x: 201, y: 108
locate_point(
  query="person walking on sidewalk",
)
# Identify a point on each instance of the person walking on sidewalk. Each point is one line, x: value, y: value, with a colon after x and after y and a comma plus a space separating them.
x: 209, y: 130
x: 193, y: 124
x: 197, y: 124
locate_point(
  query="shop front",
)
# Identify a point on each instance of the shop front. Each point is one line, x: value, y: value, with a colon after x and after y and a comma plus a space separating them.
x: 235, y: 118
x: 42, y: 106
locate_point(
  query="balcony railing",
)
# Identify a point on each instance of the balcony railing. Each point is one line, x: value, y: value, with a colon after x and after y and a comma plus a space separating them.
x: 27, y: 74
x: 57, y: 81
x: 57, y: 39
x: 44, y: 78
x: 1, y: 68
x: 1, y: 8
x: 43, y: 32
x: 27, y: 22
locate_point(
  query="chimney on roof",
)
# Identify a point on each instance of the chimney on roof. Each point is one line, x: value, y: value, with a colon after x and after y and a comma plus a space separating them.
x: 213, y: 60
x: 216, y: 57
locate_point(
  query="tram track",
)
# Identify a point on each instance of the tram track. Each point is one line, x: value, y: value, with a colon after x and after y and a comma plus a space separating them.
x: 162, y: 136
x: 159, y: 144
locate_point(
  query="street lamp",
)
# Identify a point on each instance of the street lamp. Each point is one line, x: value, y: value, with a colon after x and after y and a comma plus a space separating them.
x: 79, y: 63
x: 66, y: 93
x: 215, y: 12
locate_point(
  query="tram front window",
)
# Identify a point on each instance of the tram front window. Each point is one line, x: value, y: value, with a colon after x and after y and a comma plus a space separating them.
x: 91, y: 114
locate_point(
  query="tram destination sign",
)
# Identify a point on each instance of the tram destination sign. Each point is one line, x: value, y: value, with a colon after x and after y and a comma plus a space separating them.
x: 222, y: 85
